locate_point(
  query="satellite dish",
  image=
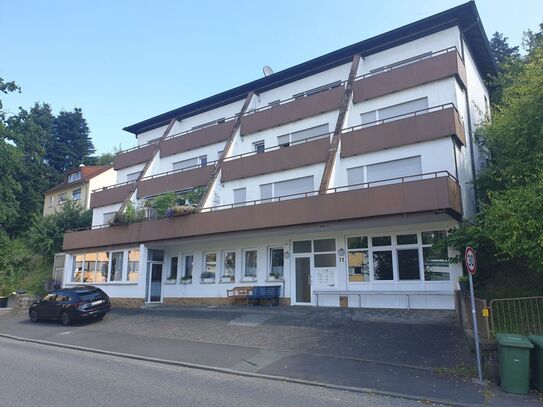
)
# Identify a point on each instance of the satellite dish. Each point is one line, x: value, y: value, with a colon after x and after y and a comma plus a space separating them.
x: 267, y: 70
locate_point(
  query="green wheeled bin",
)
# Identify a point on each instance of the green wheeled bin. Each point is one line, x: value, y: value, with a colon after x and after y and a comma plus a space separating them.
x: 536, y: 362
x: 514, y: 360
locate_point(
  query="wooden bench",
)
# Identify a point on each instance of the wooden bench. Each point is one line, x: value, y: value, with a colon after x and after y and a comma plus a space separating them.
x: 238, y: 293
x: 267, y: 292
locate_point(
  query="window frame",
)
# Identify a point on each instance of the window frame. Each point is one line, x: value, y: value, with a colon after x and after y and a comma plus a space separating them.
x: 74, y: 176
x: 78, y: 195
x: 182, y: 279
x: 257, y: 144
x: 244, y: 276
x: 429, y: 245
x: 269, y: 276
x: 169, y: 269
x: 204, y: 268
x: 366, y: 250
x: 223, y: 277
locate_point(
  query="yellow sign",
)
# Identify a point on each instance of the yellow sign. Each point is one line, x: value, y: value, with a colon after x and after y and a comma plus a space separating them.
x: 485, y: 312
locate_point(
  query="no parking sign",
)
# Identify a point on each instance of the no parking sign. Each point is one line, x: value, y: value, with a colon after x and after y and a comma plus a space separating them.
x: 471, y: 260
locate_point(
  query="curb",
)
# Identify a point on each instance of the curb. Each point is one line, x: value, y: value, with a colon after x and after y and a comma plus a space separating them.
x: 241, y: 373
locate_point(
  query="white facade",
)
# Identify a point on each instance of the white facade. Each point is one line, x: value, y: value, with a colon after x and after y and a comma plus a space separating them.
x: 415, y: 288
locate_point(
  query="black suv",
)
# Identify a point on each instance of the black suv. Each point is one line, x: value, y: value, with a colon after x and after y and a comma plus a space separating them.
x: 71, y: 304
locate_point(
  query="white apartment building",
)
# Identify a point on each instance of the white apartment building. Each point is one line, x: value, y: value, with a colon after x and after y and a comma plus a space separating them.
x: 330, y: 179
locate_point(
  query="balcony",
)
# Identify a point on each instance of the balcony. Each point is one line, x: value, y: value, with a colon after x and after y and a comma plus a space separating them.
x: 175, y: 180
x: 110, y: 195
x: 415, y: 127
x: 310, y: 151
x: 410, y: 73
x: 190, y: 140
x: 134, y: 156
x: 435, y: 192
x: 292, y: 109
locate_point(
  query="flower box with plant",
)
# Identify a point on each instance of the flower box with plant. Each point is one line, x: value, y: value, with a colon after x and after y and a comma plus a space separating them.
x: 227, y: 279
x: 275, y: 276
x: 186, y: 280
x: 5, y: 291
x: 207, y: 277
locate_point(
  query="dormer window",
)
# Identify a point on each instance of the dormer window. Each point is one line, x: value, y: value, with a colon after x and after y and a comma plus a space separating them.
x: 74, y: 176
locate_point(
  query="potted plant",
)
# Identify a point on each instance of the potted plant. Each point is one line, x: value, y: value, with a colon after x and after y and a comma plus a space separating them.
x: 186, y: 279
x: 208, y: 277
x: 463, y: 280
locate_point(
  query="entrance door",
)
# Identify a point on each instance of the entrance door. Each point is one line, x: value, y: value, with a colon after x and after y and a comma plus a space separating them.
x: 303, y: 280
x: 154, y: 282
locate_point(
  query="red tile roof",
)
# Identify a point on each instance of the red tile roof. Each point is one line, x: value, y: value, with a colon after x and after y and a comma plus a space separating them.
x: 87, y: 172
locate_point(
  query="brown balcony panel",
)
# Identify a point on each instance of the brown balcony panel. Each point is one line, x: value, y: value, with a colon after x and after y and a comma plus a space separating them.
x: 198, y: 138
x: 175, y: 182
x: 411, y: 130
x: 109, y: 196
x: 299, y: 155
x: 415, y: 74
x: 133, y: 157
x: 410, y: 197
x: 297, y: 109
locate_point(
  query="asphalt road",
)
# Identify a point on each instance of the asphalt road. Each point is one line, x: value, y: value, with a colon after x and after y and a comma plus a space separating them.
x: 32, y: 375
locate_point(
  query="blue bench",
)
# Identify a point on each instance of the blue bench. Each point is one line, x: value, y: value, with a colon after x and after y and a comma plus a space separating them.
x: 268, y: 292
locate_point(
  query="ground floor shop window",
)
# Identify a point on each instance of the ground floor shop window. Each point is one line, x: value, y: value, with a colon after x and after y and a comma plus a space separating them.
x: 249, y: 267
x: 229, y: 266
x: 358, y: 259
x: 277, y: 263
x: 133, y: 265
x: 436, y: 260
x: 104, y: 267
x: 382, y: 265
x: 210, y: 267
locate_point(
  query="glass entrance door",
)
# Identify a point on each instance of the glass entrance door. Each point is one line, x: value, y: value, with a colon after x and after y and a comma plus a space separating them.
x: 303, y: 280
x: 154, y: 282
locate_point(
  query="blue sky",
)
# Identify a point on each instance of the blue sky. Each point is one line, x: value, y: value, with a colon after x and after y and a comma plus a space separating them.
x: 125, y: 61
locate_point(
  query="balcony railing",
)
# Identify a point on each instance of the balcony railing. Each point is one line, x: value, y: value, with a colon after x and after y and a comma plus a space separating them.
x: 134, y: 156
x: 111, y: 194
x: 177, y: 180
x: 295, y: 108
x: 312, y: 150
x: 437, y: 192
x: 410, y: 73
x: 409, y: 128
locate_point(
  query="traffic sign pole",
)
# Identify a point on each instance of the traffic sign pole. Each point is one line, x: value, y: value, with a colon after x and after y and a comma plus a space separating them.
x: 471, y: 266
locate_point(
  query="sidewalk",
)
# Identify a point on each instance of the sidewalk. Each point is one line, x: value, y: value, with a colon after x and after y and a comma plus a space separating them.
x: 391, y: 351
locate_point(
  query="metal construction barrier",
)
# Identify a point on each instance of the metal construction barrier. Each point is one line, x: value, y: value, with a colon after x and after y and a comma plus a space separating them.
x: 517, y: 315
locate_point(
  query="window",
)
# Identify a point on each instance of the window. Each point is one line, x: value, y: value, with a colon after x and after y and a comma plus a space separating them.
x: 392, y: 171
x: 133, y: 265
x: 325, y: 253
x: 188, y: 264
x: 274, y: 103
x: 240, y: 197
x: 298, y: 136
x: 76, y: 194
x: 317, y: 89
x: 77, y: 268
x: 382, y: 265
x: 259, y: 146
x: 89, y: 268
x: 155, y: 255
x: 358, y: 259
x: 355, y: 176
x: 102, y: 265
x: 436, y: 262
x: 277, y: 262
x: 408, y: 264
x: 407, y: 239
x: 302, y: 246
x: 108, y: 217
x: 203, y: 160
x: 51, y: 201
x: 133, y: 176
x: 293, y: 188
x: 171, y: 277
x: 62, y: 198
x: 266, y: 192
x: 229, y: 266
x: 74, y: 176
x: 116, y: 266
x: 381, y: 241
x: 181, y: 165
x: 400, y: 111
x: 249, y: 266
x: 210, y: 266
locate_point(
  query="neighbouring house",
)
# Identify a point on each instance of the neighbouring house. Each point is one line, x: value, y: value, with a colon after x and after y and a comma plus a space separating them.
x: 77, y: 186
x: 331, y: 179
